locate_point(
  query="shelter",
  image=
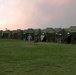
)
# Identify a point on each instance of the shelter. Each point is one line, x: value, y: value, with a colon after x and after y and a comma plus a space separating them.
x: 72, y: 32
x: 49, y: 34
x: 20, y: 34
x: 14, y: 34
x: 24, y: 34
x: 27, y: 32
x: 17, y: 34
x: 6, y: 34
x: 61, y: 35
x: 37, y: 34
x: 1, y: 33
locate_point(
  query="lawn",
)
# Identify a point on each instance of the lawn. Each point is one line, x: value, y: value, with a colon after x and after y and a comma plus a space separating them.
x: 18, y: 57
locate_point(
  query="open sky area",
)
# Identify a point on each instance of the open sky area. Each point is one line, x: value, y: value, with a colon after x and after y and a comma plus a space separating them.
x: 24, y: 14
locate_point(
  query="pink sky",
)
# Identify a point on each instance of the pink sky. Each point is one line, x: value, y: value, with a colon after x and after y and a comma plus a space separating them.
x: 23, y: 14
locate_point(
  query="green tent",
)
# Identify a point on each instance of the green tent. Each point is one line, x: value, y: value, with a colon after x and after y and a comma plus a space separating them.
x: 17, y: 34
x: 37, y: 34
x: 61, y: 35
x: 1, y: 33
x: 14, y: 34
x: 20, y: 34
x: 24, y: 34
x: 72, y: 31
x: 27, y: 32
x: 6, y: 34
x: 58, y: 35
x: 50, y: 34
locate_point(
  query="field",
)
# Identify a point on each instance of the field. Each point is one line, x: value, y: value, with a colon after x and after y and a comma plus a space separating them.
x: 19, y: 57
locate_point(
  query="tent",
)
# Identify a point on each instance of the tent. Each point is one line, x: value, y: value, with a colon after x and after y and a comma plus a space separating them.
x: 37, y: 34
x: 20, y: 34
x: 72, y: 31
x: 17, y: 34
x: 61, y: 35
x: 14, y: 34
x: 1, y: 33
x: 49, y: 34
x: 6, y: 34
x: 24, y: 34
x: 27, y: 32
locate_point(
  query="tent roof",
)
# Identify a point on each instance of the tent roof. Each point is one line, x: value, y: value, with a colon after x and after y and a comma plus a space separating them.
x: 7, y: 31
x: 58, y: 29
x: 36, y: 30
x: 48, y: 30
x: 30, y: 31
x: 72, y: 26
x: 71, y: 29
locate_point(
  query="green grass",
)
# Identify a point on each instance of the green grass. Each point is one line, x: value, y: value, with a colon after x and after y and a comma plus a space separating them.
x: 23, y: 58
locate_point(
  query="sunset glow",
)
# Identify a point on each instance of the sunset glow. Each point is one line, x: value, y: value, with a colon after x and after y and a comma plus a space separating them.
x: 23, y: 14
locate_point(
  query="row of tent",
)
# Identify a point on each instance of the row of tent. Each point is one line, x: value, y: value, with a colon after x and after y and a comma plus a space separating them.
x: 58, y: 35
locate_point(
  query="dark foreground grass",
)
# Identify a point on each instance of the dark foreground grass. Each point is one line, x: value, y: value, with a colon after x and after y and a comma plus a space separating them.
x: 23, y: 58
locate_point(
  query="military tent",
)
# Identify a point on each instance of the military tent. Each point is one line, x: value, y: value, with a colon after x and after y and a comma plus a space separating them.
x: 17, y: 34
x: 72, y: 32
x: 14, y: 34
x: 61, y: 35
x: 27, y: 32
x: 50, y: 34
x: 1, y: 33
x: 37, y: 34
x: 6, y: 34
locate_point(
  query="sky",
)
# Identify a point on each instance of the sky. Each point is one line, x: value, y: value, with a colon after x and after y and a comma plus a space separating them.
x: 24, y: 14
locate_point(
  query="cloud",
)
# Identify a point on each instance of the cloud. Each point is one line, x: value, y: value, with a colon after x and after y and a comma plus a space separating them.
x: 49, y: 11
x: 23, y: 14
x: 59, y: 2
x: 14, y: 13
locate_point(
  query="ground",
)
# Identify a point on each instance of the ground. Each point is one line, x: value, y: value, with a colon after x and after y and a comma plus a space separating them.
x: 18, y: 57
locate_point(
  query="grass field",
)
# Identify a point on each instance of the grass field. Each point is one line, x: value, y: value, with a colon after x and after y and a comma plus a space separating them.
x: 22, y: 58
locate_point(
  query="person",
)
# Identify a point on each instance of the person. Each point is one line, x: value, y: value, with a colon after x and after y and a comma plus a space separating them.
x: 42, y: 37
x: 29, y: 37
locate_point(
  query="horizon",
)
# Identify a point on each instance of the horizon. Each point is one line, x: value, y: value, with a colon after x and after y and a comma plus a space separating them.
x: 39, y: 28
